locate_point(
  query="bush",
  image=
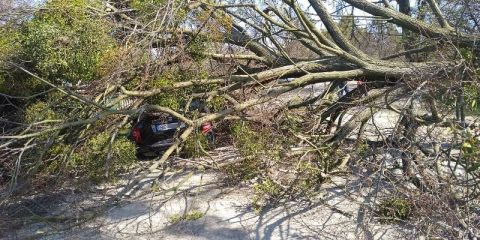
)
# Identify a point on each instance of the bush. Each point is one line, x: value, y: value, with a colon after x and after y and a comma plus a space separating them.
x: 190, y: 216
x: 254, y: 146
x: 64, y: 43
x: 90, y: 160
x: 149, y: 8
x: 9, y: 43
x: 471, y: 152
x: 394, y: 209
x: 266, y: 192
x: 472, y: 98
x: 38, y: 111
x: 174, y: 99
x: 13, y: 82
x: 195, y: 146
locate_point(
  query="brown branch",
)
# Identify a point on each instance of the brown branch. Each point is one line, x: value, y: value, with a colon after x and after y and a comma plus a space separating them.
x: 439, y: 15
x: 313, y: 78
x: 61, y: 89
x: 334, y: 30
x: 178, y: 85
x: 351, y: 125
x: 94, y: 119
x: 299, y: 69
x: 219, y: 56
x: 415, y: 25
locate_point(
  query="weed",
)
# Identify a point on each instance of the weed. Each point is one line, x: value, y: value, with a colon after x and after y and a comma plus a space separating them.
x: 190, y: 216
x: 394, y: 209
x: 195, y: 146
x: 256, y: 147
x: 266, y: 192
x: 91, y: 158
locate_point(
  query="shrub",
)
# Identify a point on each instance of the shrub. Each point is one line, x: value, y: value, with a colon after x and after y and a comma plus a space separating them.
x: 262, y: 161
x: 190, y: 216
x: 90, y: 160
x: 266, y: 192
x: 471, y: 152
x: 394, y: 209
x: 39, y: 111
x: 195, y: 146
x: 9, y: 43
x: 64, y: 43
x: 254, y: 148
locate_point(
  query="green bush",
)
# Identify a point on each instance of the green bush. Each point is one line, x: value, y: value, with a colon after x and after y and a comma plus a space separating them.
x: 217, y: 103
x: 266, y: 192
x: 471, y: 152
x: 90, y: 160
x: 198, y: 47
x: 310, y: 176
x: 147, y: 9
x: 195, y: 146
x: 251, y: 143
x: 9, y: 43
x: 190, y: 216
x: 254, y: 147
x: 39, y: 111
x: 472, y: 98
x: 173, y: 99
x: 261, y: 152
x: 394, y: 209
x: 64, y: 43
x: 13, y: 82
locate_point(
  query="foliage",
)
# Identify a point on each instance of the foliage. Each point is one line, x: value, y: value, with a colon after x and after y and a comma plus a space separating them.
x: 96, y: 160
x: 174, y: 99
x: 260, y: 150
x: 251, y: 143
x: 310, y: 176
x: 93, y: 48
x: 254, y: 147
x: 167, y: 99
x: 266, y: 192
x: 472, y: 98
x: 190, y: 216
x: 197, y: 47
x: 393, y: 209
x: 39, y: 111
x: 216, y: 27
x: 9, y: 50
x: 471, y: 152
x: 196, y: 145
x: 65, y: 44
x: 215, y: 24
x: 140, y: 4
x: 92, y: 161
x: 9, y: 43
x: 216, y: 103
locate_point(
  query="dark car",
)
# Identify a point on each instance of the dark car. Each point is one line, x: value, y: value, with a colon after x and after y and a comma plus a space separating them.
x: 153, y: 133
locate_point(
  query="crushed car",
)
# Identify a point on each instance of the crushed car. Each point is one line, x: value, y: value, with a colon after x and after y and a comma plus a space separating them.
x: 155, y: 132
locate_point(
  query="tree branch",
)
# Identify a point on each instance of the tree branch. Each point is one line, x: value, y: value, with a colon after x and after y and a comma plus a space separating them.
x: 415, y: 25
x: 439, y: 15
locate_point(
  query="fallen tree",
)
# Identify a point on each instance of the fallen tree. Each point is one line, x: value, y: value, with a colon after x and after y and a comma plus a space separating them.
x: 155, y: 57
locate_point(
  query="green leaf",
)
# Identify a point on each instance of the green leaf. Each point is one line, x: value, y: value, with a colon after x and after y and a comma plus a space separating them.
x: 474, y: 167
x: 466, y: 145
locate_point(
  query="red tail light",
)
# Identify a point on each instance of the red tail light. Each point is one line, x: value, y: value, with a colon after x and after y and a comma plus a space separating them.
x: 206, y: 127
x: 137, y: 136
